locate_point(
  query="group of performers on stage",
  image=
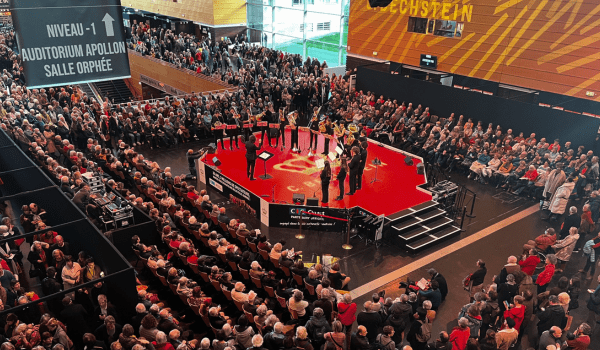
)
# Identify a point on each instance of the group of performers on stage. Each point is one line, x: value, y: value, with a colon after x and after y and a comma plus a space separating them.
x: 272, y: 125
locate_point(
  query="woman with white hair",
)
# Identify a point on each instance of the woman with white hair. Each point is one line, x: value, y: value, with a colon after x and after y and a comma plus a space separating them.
x: 564, y: 248
x: 256, y: 270
x: 161, y: 342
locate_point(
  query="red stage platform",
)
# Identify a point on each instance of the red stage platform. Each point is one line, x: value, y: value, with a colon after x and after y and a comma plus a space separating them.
x: 297, y: 173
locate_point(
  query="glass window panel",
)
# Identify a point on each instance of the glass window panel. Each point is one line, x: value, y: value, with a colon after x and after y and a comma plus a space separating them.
x: 325, y: 6
x: 445, y: 28
x: 289, y: 22
x: 288, y: 44
x: 324, y: 52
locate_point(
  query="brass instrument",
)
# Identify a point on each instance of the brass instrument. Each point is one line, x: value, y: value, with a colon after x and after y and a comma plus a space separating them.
x: 353, y: 128
x: 291, y: 117
x: 217, y: 124
x: 259, y: 116
x: 322, y: 127
x: 350, y: 139
x: 281, y: 115
x: 338, y: 131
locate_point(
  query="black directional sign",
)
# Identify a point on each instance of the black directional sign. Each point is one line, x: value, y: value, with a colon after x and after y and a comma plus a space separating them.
x: 70, y: 41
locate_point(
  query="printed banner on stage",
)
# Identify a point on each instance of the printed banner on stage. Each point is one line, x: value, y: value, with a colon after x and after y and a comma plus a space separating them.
x: 281, y: 215
x: 234, y: 192
x: 264, y: 212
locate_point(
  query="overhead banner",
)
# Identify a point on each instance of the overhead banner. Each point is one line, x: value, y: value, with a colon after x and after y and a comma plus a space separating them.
x: 70, y: 41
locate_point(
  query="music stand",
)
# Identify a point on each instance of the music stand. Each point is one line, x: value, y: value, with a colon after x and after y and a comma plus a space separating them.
x: 377, y: 163
x: 265, y: 155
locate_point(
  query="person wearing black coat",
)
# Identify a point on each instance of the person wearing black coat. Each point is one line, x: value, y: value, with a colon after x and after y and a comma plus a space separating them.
x: 341, y: 177
x: 191, y: 158
x: 66, y: 187
x: 593, y: 306
x: 441, y: 282
x: 102, y: 333
x: 363, y: 162
x: 325, y: 179
x: 371, y: 320
x: 354, y: 167
x: 51, y: 286
x: 573, y: 220
x: 359, y: 340
x: 74, y: 317
x: 477, y: 278
x: 251, y: 149
x: 552, y: 315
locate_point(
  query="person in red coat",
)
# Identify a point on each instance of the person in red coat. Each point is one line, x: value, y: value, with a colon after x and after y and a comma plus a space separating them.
x: 529, y: 262
x: 582, y: 338
x: 543, y: 279
x: 516, y: 311
x: 460, y: 335
x: 347, y: 311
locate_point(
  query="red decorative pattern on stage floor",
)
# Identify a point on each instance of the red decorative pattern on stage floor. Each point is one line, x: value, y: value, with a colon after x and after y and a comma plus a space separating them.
x: 297, y: 173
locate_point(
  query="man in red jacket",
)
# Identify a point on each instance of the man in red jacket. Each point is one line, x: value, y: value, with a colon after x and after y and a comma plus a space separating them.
x: 544, y: 241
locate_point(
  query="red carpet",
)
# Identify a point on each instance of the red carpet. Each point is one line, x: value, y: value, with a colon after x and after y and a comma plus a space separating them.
x: 297, y: 173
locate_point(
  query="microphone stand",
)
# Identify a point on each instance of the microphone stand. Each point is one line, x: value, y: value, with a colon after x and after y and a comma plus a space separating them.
x: 300, y: 235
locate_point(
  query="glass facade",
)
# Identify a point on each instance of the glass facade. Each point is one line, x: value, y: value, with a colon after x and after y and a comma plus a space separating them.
x: 307, y: 27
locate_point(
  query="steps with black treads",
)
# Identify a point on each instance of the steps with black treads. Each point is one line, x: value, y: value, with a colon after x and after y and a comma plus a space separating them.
x: 420, y: 227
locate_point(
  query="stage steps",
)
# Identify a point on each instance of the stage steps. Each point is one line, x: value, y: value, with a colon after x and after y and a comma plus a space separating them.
x: 420, y: 227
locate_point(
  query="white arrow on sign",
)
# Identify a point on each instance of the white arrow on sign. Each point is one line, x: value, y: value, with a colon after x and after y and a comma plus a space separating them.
x: 108, y: 23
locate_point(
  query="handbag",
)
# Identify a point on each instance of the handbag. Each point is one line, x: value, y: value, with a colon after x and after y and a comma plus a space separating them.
x: 33, y: 272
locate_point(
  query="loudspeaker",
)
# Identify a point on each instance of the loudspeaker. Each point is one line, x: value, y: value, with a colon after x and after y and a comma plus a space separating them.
x: 420, y: 169
x: 408, y: 160
x: 312, y: 201
x: 298, y: 198
x: 211, y: 148
x: 379, y: 3
x: 216, y: 161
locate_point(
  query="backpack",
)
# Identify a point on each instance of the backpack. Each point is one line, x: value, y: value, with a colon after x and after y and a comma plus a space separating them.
x: 425, y: 332
x: 378, y: 345
x: 463, y: 311
x: 318, y: 333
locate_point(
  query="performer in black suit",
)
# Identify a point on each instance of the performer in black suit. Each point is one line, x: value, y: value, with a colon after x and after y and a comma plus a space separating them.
x: 251, y: 149
x: 341, y: 177
x: 328, y: 132
x: 219, y: 134
x: 233, y: 133
x: 282, y: 123
x: 265, y: 129
x: 354, y: 169
x: 363, y: 162
x: 294, y: 133
x: 325, y: 179
x: 314, y: 133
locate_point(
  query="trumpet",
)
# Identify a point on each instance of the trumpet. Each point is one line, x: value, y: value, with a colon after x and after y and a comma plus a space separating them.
x: 217, y: 124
